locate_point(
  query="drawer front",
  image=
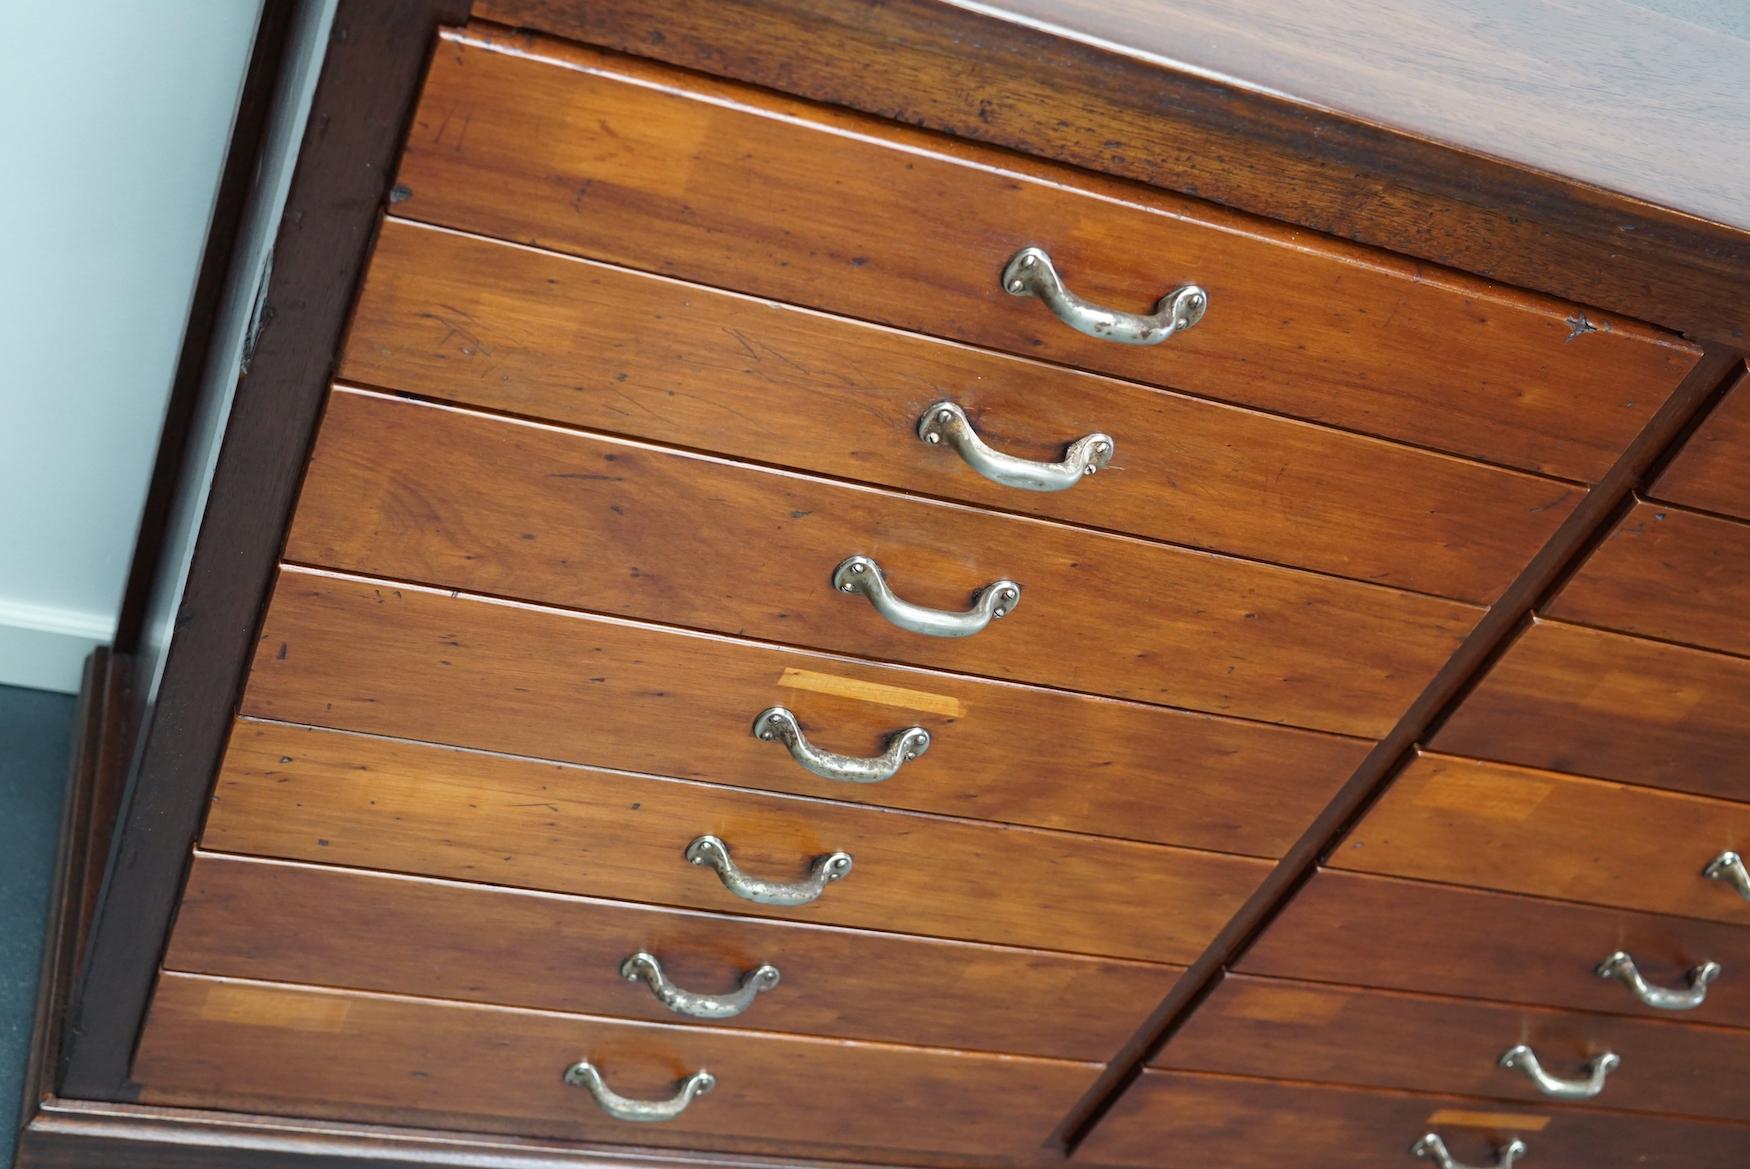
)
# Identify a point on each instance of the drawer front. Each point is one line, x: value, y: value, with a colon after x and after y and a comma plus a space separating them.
x: 477, y: 322
x: 418, y: 664
x: 649, y: 167
x: 1667, y: 573
x: 1708, y: 472
x: 1362, y: 930
x: 280, y: 922
x: 1498, y: 827
x: 1169, y: 1120
x: 333, y: 798
x: 259, y: 1047
x: 1378, y: 1039
x: 1567, y: 698
x: 435, y: 495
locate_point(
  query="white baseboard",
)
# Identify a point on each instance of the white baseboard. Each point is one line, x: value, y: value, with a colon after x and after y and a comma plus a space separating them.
x: 44, y: 648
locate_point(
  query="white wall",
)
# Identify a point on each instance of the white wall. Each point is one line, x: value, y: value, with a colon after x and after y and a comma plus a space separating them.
x: 114, y: 118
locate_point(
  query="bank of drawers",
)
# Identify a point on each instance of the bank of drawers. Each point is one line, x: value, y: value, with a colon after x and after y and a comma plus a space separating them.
x: 594, y: 740
x: 1503, y: 951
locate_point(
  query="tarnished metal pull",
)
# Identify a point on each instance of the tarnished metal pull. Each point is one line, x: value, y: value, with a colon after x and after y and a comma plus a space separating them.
x: 584, y: 1075
x: 709, y: 850
x: 860, y: 574
x: 777, y: 724
x: 1622, y: 967
x: 1729, y: 867
x: 1030, y: 273
x: 642, y: 967
x: 1431, y: 1148
x: 1081, y: 458
x: 1597, y: 1068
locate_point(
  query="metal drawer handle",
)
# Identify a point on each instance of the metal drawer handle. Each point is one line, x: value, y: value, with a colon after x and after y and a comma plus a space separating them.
x: 777, y: 724
x: 1729, y: 867
x: 643, y: 967
x: 860, y: 574
x: 1597, y: 1068
x: 709, y: 850
x: 1030, y: 273
x: 1083, y: 457
x: 1432, y: 1148
x: 584, y: 1075
x: 1620, y: 966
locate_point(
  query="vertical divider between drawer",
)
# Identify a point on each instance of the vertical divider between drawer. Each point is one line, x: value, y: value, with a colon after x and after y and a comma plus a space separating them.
x: 1590, y: 521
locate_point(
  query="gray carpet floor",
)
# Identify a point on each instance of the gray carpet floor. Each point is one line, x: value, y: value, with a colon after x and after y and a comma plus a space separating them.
x: 36, y: 732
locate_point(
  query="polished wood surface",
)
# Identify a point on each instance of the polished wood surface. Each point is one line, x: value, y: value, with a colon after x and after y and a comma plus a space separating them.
x: 476, y: 322
x: 1493, y: 826
x: 283, y: 922
x: 1708, y: 472
x: 1630, y: 98
x: 1385, y: 177
x: 635, y: 164
x: 1604, y: 704
x: 422, y: 664
x: 308, y: 1052
x: 1448, y: 687
x: 440, y: 496
x: 334, y: 798
x: 1668, y: 573
x: 1169, y: 1120
x: 1363, y: 930
x: 1278, y: 1029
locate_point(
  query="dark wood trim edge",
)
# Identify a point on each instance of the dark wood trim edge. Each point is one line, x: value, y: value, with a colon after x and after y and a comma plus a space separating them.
x: 365, y: 93
x: 236, y: 178
x: 100, y: 734
x: 1571, y: 543
x: 74, y: 1135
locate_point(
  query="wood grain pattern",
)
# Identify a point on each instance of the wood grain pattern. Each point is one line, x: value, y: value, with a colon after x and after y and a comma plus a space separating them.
x: 473, y: 321
x: 281, y: 922
x: 221, y: 1043
x: 1279, y: 1029
x: 343, y: 799
x: 418, y: 664
x: 1363, y: 930
x: 1709, y: 471
x: 1628, y: 99
x: 1667, y: 573
x: 1567, y: 698
x: 440, y: 496
x: 1172, y: 1119
x: 635, y: 164
x: 981, y: 72
x: 1492, y: 826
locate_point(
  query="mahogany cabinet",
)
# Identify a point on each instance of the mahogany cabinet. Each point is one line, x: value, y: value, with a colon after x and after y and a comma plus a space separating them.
x: 804, y: 582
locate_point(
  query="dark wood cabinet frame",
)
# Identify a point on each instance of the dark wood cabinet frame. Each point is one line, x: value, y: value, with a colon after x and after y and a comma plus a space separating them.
x: 147, y: 768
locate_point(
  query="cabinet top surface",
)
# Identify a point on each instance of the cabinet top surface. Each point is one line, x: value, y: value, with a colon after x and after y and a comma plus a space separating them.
x: 1614, y: 93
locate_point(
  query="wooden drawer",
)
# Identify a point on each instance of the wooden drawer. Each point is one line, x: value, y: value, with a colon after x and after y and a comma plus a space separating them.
x: 1363, y: 930
x: 436, y: 495
x: 1568, y: 698
x: 1498, y: 827
x: 1378, y: 1039
x: 540, y: 335
x: 1710, y: 472
x: 637, y: 164
x: 418, y: 664
x: 1171, y: 1120
x: 1667, y: 573
x: 281, y: 922
x: 263, y: 1047
x: 345, y: 799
